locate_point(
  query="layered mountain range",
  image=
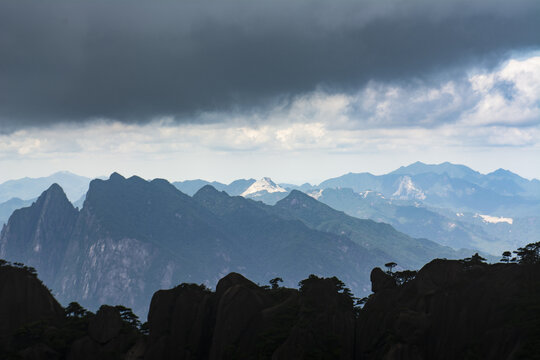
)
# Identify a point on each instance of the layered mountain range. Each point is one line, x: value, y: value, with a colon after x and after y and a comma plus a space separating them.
x: 74, y: 186
x: 450, y: 204
x: 132, y: 237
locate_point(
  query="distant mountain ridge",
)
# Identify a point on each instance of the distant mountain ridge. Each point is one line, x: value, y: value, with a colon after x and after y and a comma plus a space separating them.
x: 75, y: 186
x: 451, y: 204
x: 445, y: 185
x: 7, y: 208
x: 190, y: 187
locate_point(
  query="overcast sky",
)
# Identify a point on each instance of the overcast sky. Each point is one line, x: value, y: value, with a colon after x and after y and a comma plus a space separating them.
x: 296, y: 90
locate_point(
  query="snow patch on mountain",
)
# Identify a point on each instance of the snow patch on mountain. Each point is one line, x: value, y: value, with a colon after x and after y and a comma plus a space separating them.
x: 365, y: 193
x: 264, y: 184
x: 407, y: 190
x: 495, y: 219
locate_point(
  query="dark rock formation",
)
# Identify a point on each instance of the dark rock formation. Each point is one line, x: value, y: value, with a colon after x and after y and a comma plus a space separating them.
x: 106, y: 325
x: 34, y: 326
x: 180, y: 322
x: 243, y: 321
x: 381, y: 281
x: 453, y: 310
x: 23, y: 300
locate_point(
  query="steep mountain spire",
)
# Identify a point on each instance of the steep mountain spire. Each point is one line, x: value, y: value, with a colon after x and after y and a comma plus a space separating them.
x: 38, y: 235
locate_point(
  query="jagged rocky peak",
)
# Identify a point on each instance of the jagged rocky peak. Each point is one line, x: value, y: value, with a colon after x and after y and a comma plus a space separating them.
x: 52, y: 201
x: 56, y: 194
x: 134, y: 189
x: 116, y: 177
x: 38, y: 234
x: 264, y: 184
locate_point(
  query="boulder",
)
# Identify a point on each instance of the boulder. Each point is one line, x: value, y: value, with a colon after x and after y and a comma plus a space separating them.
x: 24, y: 299
x: 106, y: 325
x: 381, y: 281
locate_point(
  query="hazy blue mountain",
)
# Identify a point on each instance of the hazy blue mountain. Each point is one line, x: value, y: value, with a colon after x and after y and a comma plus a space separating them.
x: 79, y: 203
x: 500, y: 233
x: 362, y: 182
x: 423, y: 200
x: 7, y: 208
x: 190, y: 187
x: 286, y: 245
x: 502, y: 182
x: 507, y: 183
x: 406, y: 251
x: 419, y: 221
x: 441, y: 190
x: 304, y: 187
x: 452, y: 170
x: 30, y: 188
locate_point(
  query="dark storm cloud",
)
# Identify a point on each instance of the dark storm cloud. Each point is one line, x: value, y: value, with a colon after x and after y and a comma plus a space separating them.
x: 70, y: 61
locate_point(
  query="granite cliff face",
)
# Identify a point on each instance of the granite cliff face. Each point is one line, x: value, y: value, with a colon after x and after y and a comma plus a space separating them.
x: 38, y: 235
x: 133, y: 237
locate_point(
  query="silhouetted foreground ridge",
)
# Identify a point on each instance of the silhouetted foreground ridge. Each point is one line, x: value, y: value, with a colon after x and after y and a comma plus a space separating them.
x: 451, y: 310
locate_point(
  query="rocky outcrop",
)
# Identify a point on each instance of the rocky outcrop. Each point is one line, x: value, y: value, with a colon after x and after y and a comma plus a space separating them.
x: 242, y: 321
x: 34, y: 326
x: 453, y: 310
x: 381, y: 281
x: 180, y: 321
x: 23, y: 300
x: 106, y: 325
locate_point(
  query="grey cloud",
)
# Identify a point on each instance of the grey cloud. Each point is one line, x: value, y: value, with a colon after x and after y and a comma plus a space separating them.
x: 71, y: 61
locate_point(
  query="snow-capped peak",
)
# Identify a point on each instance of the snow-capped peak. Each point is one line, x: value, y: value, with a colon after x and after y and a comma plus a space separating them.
x: 264, y: 184
x: 495, y: 219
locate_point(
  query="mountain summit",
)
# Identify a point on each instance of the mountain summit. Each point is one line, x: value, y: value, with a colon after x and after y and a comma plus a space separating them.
x: 264, y: 184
